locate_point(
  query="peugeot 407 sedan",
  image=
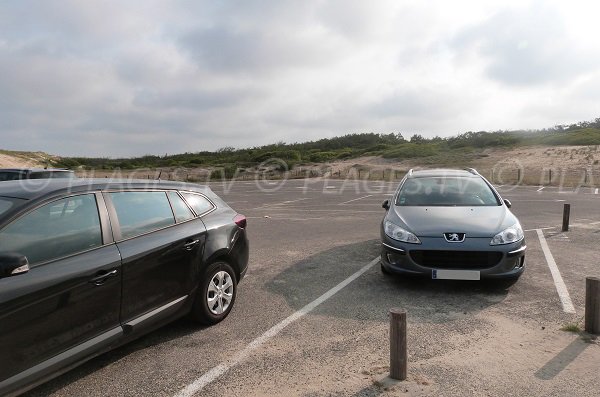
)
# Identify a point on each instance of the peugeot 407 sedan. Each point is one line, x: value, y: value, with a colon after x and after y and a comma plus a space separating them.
x: 451, y: 224
x: 89, y: 264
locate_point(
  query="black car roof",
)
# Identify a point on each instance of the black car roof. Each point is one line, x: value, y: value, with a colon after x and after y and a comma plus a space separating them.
x: 34, y: 170
x: 31, y: 189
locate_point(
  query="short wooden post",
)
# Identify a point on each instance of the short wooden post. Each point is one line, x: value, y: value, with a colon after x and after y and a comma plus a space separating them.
x: 549, y: 177
x: 518, y: 175
x: 398, y: 353
x: 592, y: 305
x: 566, y: 215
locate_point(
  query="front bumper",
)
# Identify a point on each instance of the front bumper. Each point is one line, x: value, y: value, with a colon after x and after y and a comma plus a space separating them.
x: 500, y: 261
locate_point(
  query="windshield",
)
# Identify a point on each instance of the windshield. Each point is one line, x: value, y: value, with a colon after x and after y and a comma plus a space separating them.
x: 7, y: 203
x: 446, y: 191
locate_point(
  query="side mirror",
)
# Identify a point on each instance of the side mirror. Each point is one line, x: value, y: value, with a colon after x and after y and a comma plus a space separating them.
x: 13, y: 264
x: 507, y: 203
x: 386, y: 204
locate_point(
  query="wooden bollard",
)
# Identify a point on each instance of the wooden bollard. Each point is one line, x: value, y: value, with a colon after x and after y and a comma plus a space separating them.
x: 592, y: 305
x: 398, y: 353
x: 566, y: 216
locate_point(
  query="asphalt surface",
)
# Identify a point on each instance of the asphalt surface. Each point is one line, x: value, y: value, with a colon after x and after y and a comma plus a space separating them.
x: 307, y: 236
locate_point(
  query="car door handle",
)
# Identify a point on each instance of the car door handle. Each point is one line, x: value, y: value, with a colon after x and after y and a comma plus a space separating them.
x: 190, y: 245
x: 101, y: 278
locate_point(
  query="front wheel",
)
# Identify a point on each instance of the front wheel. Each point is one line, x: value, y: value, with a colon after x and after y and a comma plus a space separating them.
x: 215, y: 295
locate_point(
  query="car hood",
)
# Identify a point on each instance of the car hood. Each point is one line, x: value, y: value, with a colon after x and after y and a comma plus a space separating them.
x: 474, y: 221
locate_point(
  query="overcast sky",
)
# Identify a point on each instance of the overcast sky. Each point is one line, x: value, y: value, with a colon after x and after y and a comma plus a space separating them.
x: 124, y: 78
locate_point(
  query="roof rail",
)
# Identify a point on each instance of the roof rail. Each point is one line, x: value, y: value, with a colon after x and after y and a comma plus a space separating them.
x: 472, y: 171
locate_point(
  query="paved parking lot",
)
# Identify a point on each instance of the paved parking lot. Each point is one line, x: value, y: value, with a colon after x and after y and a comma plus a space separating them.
x: 311, y: 316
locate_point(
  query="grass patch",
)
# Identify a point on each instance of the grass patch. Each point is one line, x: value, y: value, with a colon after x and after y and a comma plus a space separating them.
x: 571, y: 327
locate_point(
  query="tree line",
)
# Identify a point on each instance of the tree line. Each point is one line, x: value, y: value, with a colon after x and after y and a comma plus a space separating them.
x: 397, y: 146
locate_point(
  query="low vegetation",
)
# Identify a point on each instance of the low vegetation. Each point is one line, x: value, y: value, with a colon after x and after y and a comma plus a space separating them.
x: 396, y: 146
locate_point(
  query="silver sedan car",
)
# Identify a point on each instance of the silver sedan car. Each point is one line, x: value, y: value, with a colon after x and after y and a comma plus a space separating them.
x: 451, y: 224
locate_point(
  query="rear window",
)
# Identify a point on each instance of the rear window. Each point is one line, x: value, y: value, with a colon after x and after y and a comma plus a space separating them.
x: 141, y: 212
x: 446, y: 191
x: 199, y: 204
x: 7, y: 203
x: 181, y: 210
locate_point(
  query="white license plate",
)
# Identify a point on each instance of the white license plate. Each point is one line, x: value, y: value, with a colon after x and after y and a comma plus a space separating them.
x: 442, y: 274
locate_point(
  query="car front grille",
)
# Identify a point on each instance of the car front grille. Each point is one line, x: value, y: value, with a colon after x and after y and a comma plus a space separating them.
x: 456, y: 259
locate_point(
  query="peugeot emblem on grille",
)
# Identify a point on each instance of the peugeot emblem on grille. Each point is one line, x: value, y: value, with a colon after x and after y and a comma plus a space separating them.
x: 454, y: 237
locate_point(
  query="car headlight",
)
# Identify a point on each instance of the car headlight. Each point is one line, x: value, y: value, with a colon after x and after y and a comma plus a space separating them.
x: 397, y: 233
x: 507, y: 236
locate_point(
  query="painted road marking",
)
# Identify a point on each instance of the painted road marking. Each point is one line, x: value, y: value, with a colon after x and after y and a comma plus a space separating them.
x: 541, y: 188
x: 561, y: 288
x: 553, y: 200
x: 220, y: 369
x: 356, y: 199
x: 596, y: 191
x: 540, y: 228
x: 266, y: 206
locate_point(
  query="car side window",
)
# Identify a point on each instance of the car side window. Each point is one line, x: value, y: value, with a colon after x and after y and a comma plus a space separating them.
x: 199, y: 203
x: 142, y: 212
x: 55, y: 230
x: 181, y: 210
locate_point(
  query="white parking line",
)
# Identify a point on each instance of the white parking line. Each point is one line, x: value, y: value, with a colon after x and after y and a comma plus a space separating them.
x: 541, y: 188
x: 540, y: 228
x: 220, y: 369
x: 356, y: 199
x: 561, y: 288
x: 596, y: 191
x: 281, y: 203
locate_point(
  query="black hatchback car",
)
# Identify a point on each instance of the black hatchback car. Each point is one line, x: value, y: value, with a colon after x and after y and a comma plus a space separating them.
x: 87, y: 265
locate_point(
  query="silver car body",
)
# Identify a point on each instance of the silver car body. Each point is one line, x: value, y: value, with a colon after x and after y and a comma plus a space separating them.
x: 454, y: 238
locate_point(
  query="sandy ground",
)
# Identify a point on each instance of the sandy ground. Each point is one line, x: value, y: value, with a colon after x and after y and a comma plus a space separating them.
x: 536, y: 165
x: 25, y: 160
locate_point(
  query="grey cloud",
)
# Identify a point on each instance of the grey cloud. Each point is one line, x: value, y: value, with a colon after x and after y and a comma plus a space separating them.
x: 525, y: 47
x: 224, y: 50
x: 418, y: 104
x: 196, y: 100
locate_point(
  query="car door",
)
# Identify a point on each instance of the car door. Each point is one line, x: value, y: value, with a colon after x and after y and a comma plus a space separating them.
x: 161, y: 245
x: 67, y: 305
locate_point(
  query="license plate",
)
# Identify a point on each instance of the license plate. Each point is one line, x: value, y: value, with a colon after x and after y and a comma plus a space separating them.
x: 442, y: 274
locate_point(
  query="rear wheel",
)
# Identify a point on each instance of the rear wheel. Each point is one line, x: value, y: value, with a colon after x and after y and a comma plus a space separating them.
x: 216, y: 294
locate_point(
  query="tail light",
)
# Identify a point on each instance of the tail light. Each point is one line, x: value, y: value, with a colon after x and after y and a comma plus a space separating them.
x: 240, y: 220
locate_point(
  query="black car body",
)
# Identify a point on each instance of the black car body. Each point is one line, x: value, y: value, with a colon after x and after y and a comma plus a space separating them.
x: 451, y: 224
x: 12, y: 174
x: 89, y: 264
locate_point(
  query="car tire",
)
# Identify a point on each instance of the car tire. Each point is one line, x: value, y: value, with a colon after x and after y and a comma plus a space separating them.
x: 215, y: 295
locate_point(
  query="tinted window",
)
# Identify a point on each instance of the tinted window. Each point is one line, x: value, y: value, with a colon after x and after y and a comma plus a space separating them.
x: 446, y: 191
x: 199, y: 203
x: 10, y: 175
x: 7, y: 203
x: 55, y: 230
x: 141, y: 212
x: 51, y: 174
x: 181, y: 210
